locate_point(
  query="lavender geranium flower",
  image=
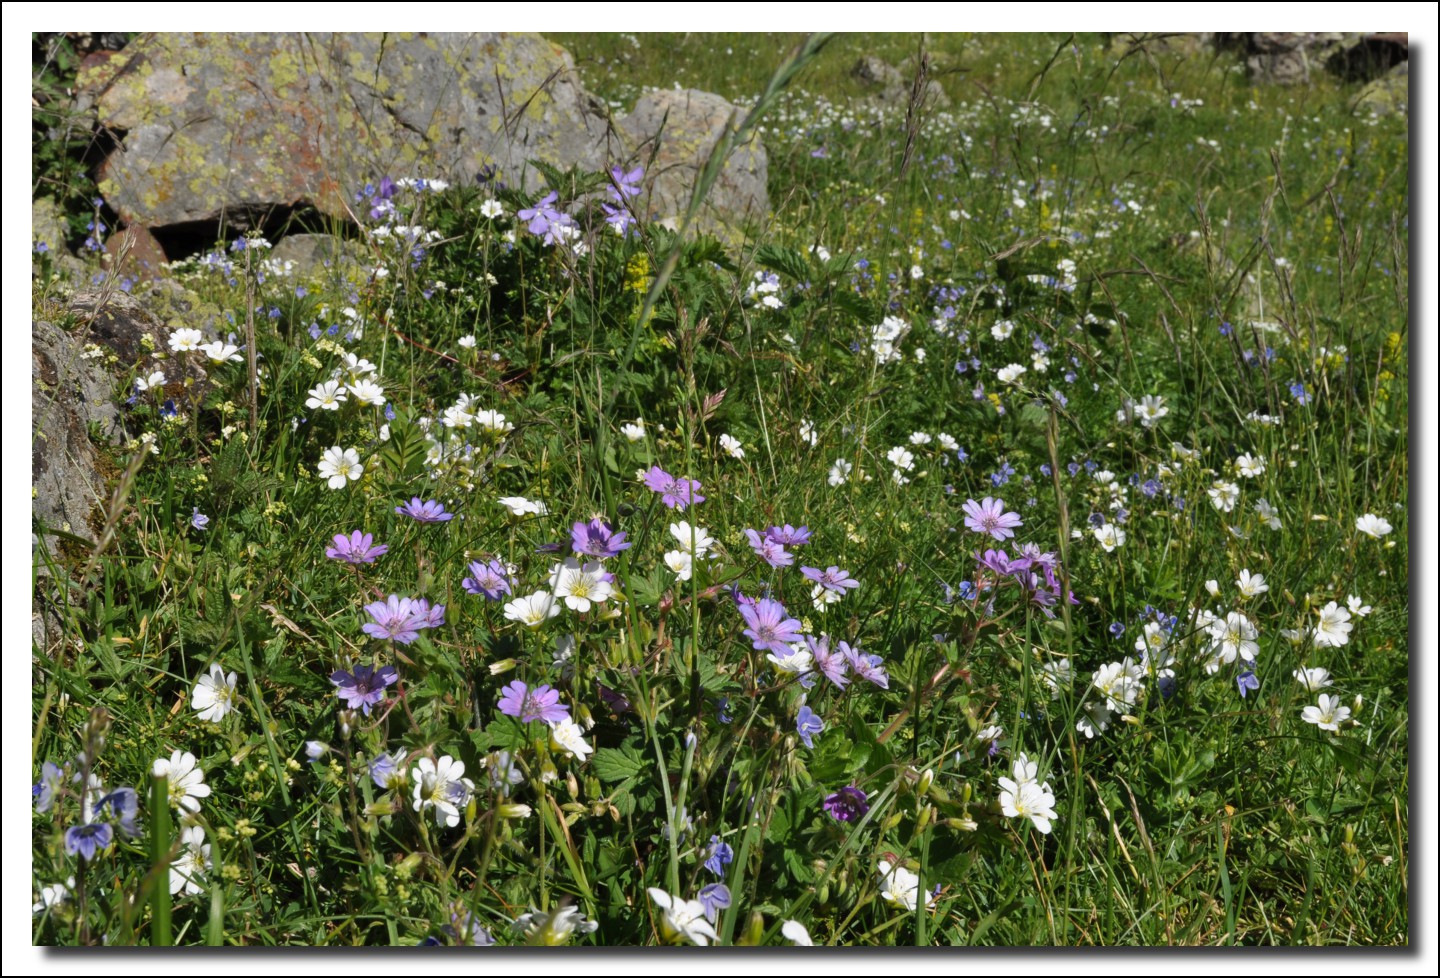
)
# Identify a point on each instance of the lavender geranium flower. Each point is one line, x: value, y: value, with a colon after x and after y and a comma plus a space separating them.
x: 768, y: 550
x: 674, y: 493
x: 847, y: 804
x: 769, y: 627
x: 357, y: 548
x: 487, y: 579
x: 789, y: 536
x: 597, y: 539
x: 867, y: 667
x: 88, y: 839
x: 425, y: 615
x: 989, y: 516
x: 428, y: 511
x: 807, y: 725
x: 831, y: 579
x: 394, y: 619
x: 365, y: 687
x: 831, y: 663
x: 540, y: 703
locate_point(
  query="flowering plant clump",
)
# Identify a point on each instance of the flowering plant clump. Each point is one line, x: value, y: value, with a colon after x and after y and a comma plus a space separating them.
x: 566, y: 556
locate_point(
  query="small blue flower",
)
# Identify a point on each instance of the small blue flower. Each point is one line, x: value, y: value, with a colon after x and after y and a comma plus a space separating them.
x: 198, y: 519
x: 86, y: 840
x: 1246, y: 681
x: 714, y: 897
x: 807, y: 724
x: 720, y: 855
x: 1117, y: 628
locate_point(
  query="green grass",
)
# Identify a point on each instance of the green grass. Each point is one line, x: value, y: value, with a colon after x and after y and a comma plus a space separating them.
x: 1070, y: 189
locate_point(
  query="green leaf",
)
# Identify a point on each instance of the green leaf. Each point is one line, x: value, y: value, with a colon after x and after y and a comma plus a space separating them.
x: 611, y: 764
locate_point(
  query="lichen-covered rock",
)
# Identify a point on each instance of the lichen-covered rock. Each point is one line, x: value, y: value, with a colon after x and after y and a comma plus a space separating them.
x: 681, y: 128
x: 69, y: 396
x: 124, y: 325
x: 306, y: 251
x: 1386, y: 95
x: 891, y: 87
x: 226, y: 127
x: 1289, y: 58
x: 48, y: 235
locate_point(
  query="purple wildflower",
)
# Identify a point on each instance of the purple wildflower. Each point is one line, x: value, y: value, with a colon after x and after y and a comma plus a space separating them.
x: 990, y: 517
x: 769, y: 627
x: 625, y: 185
x: 429, y: 511
x: 789, y: 536
x: 52, y: 777
x: 540, y: 703
x: 768, y: 550
x: 198, y: 519
x: 487, y: 579
x: 542, y: 215
x: 394, y: 619
x: 847, y: 804
x: 356, y: 548
x: 365, y: 687
x: 674, y: 493
x: 833, y: 665
x: 124, y: 806
x: 831, y: 579
x: 714, y: 897
x: 1246, y: 681
x: 597, y: 539
x: 807, y: 725
x: 425, y: 616
x: 718, y: 856
x: 85, y: 840
x: 866, y: 666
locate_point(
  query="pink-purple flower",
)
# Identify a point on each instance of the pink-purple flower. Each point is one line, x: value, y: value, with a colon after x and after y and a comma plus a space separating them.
x: 770, y: 629
x: 401, y: 619
x: 427, y: 511
x: 831, y: 579
x: 832, y: 664
x: 768, y: 550
x: 789, y: 536
x: 357, y: 548
x: 540, y: 703
x: 597, y: 539
x: 866, y: 666
x: 489, y: 579
x: 989, y: 516
x: 676, y: 493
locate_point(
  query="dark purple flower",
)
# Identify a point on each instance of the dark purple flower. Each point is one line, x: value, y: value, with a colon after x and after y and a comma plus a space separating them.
x: 789, y: 536
x: 675, y: 493
x: 355, y: 549
x: 831, y: 579
x: 769, y: 627
x: 540, y: 703
x: 597, y: 539
x: 832, y: 664
x: 714, y: 897
x: 847, y: 804
x: 989, y: 516
x: 807, y: 725
x: 85, y: 840
x: 768, y: 550
x: 866, y: 666
x: 365, y: 687
x: 429, y: 511
x: 487, y: 579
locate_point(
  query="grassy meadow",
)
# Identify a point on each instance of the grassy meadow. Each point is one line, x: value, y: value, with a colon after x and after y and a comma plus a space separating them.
x: 1003, y: 544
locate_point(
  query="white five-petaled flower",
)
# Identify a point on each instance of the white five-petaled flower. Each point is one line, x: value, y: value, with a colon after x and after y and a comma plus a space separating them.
x: 1251, y: 584
x: 187, y: 872
x: 1151, y: 409
x: 680, y: 563
x: 220, y: 351
x: 683, y: 918
x: 633, y: 431
x: 1313, y: 679
x: 187, y: 781
x: 901, y: 457
x: 1373, y: 526
x: 533, y: 609
x: 839, y: 472
x: 184, y: 340
x: 1109, y: 536
x: 156, y: 378
x: 567, y: 736
x: 795, y: 932
x: 491, y: 209
x: 367, y: 391
x: 731, y: 446
x: 214, y: 694
x: 1334, y: 627
x: 1249, y: 466
x: 901, y: 887
x: 1011, y: 373
x: 520, y: 506
x: 580, y: 584
x: 327, y: 397
x: 1357, y: 606
x: 1224, y: 496
x: 1328, y: 715
x: 1235, y: 635
x: 694, y: 540
x: 1027, y: 799
x: 340, y: 465
x: 442, y: 786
